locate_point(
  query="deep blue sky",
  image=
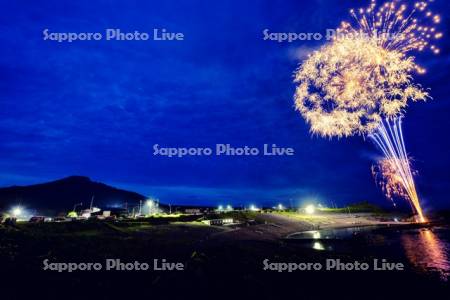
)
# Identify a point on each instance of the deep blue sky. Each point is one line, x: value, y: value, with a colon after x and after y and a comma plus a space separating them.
x: 96, y: 108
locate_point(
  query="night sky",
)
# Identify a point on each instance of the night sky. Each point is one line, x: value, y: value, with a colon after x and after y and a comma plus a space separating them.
x: 96, y: 108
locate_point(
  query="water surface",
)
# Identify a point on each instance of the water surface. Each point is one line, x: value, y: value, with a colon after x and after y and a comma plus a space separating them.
x: 425, y: 250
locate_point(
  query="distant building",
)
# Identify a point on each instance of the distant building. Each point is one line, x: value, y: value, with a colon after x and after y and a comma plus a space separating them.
x: 219, y: 222
x: 193, y: 211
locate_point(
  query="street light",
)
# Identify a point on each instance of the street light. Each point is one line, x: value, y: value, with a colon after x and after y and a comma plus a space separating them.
x: 310, y: 209
x: 253, y: 208
x: 152, y: 206
x: 16, y: 211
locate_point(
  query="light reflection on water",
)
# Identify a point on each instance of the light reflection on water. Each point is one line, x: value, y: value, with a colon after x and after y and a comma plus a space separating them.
x: 427, y: 251
x: 318, y: 246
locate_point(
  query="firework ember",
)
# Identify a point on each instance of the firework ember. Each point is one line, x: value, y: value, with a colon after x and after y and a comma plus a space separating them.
x: 361, y: 82
x: 386, y: 177
x: 395, y: 27
x: 351, y: 84
x: 397, y: 167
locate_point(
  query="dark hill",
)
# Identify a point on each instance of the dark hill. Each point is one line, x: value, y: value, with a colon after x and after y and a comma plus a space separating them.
x: 62, y: 194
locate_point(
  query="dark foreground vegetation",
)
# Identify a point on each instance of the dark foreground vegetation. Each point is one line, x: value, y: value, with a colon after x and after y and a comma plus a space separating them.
x: 218, y: 262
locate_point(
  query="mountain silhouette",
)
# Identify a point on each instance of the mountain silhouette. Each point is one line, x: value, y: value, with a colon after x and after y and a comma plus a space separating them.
x: 63, y: 194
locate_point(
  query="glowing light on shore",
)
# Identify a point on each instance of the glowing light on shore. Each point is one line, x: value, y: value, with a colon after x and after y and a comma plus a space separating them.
x: 310, y: 209
x: 254, y: 208
x: 17, y: 211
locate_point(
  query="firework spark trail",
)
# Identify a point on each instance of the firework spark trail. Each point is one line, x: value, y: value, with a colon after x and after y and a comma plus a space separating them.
x: 348, y: 86
x: 394, y: 30
x: 389, y: 138
x: 364, y: 76
x: 387, y: 177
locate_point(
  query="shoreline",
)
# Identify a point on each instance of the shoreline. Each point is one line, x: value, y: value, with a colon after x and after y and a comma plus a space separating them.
x: 279, y: 226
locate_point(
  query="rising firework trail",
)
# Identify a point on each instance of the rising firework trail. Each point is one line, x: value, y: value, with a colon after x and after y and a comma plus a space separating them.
x: 361, y: 82
x: 396, y: 166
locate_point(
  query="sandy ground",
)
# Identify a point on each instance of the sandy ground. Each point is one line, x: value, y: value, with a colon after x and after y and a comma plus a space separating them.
x: 276, y: 226
x: 330, y: 221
